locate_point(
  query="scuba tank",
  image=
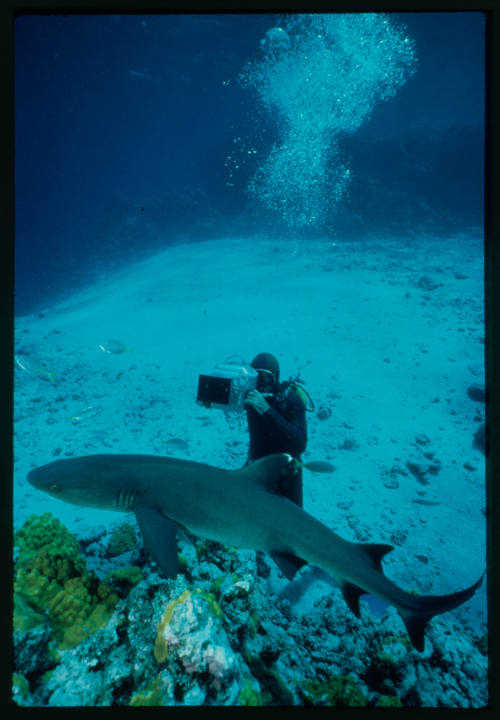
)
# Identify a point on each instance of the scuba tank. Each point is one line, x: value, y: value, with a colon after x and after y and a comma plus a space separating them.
x: 295, y: 383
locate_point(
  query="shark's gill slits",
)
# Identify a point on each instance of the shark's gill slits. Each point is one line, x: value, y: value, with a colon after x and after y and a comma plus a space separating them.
x: 127, y: 499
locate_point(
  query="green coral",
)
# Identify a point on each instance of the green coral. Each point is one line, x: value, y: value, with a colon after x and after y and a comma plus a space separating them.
x: 274, y: 690
x: 337, y: 690
x: 386, y: 660
x: 214, y: 551
x: 122, y: 540
x: 216, y: 585
x: 202, y: 548
x: 253, y: 623
x: 52, y: 582
x: 183, y: 563
x: 389, y: 701
x: 124, y: 579
x: 212, y: 603
x: 48, y: 533
x: 248, y: 696
x: 151, y: 696
x: 20, y: 688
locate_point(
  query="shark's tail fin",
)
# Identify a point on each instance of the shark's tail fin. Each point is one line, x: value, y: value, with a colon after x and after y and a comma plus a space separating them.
x: 418, y: 610
x: 427, y: 606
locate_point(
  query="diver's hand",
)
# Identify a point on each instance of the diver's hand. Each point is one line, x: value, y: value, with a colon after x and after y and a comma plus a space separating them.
x: 257, y: 401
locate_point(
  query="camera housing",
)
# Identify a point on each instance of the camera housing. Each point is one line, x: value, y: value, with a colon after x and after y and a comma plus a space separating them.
x: 226, y: 386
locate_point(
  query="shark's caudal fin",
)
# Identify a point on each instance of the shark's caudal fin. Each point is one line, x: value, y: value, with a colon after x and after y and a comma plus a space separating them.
x: 430, y: 605
x: 423, y: 608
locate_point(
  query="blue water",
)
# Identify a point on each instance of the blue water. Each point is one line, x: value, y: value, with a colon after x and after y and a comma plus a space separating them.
x: 135, y: 131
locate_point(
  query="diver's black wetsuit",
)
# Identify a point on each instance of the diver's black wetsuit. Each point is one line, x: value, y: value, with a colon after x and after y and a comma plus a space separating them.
x: 282, y: 428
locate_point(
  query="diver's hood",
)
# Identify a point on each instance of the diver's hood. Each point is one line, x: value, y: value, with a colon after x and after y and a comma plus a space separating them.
x: 266, y: 361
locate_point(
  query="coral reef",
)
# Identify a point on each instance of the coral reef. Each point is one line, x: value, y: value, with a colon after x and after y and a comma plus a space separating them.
x: 157, y: 693
x: 216, y: 635
x: 52, y: 582
x: 123, y: 579
x: 48, y: 533
x: 338, y: 690
x: 190, y: 633
x: 123, y: 539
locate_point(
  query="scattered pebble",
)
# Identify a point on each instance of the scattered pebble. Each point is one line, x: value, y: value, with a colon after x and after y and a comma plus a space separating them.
x: 479, y: 441
x: 323, y: 413
x: 469, y: 466
x: 349, y: 444
x: 427, y: 283
x: 392, y: 484
x: 477, y: 393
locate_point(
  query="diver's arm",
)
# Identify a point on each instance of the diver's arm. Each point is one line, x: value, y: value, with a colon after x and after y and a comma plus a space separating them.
x: 292, y: 430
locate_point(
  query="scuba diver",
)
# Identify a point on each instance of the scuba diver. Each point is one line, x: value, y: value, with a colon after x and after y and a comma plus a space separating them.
x: 276, y: 414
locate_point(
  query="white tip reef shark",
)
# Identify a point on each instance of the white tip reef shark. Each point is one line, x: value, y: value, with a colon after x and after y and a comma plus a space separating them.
x: 242, y: 508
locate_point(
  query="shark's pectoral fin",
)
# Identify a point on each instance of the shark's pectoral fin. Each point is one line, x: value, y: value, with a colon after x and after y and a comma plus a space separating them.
x: 288, y: 563
x: 160, y: 538
x: 351, y: 594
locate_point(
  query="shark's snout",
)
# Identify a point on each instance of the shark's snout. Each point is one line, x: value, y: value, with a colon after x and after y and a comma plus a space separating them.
x: 33, y: 477
x: 43, y: 477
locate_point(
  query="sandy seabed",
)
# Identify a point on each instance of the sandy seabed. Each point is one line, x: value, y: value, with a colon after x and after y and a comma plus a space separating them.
x: 387, y: 335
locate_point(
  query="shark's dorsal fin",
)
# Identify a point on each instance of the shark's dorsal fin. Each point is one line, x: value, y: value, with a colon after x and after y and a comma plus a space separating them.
x: 266, y: 471
x: 375, y: 552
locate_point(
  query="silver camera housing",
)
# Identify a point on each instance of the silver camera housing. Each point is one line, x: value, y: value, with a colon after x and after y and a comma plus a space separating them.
x: 226, y: 385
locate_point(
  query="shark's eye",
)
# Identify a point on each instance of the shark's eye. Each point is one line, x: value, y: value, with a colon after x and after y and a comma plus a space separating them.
x: 55, y: 488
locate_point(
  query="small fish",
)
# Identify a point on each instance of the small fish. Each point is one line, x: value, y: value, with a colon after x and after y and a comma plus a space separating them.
x: 177, y: 443
x: 114, y: 346
x: 86, y: 411
x: 423, y: 501
x: 319, y: 466
x: 138, y: 74
x: 33, y: 367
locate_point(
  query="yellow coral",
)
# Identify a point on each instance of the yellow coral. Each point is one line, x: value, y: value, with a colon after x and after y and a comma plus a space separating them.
x: 161, y: 646
x: 152, y: 695
x: 76, y: 602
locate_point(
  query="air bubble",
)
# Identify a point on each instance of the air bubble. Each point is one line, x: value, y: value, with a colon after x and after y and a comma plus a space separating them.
x: 338, y: 67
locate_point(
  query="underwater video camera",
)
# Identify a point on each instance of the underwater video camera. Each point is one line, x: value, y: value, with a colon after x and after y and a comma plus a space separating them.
x: 226, y: 386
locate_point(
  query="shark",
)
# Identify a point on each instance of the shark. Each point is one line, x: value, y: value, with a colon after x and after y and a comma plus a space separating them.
x: 242, y: 508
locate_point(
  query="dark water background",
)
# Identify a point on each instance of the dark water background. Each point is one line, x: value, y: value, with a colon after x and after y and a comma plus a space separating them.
x: 123, y: 125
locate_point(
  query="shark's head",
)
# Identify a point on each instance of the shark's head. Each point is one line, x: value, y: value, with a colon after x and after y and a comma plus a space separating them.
x: 88, y: 480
